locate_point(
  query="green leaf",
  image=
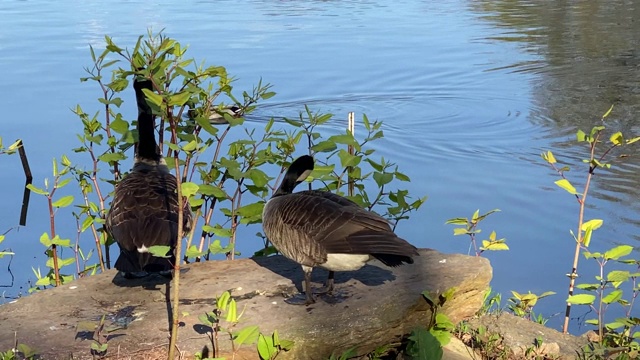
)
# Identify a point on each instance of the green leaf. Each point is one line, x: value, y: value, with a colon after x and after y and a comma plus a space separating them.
x: 617, y: 138
x: 346, y: 139
x: 565, y: 184
x: 608, y: 112
x: 347, y: 159
x: 593, y: 223
x: 216, y: 248
x: 61, y: 242
x: 581, y: 136
x: 189, y: 189
x: 612, y: 297
x: 248, y: 335
x: 581, y: 299
x: 618, y: 252
x: 548, y: 156
x: 589, y: 287
x: 111, y: 157
x: 423, y: 345
x: 45, y: 239
x: 193, y: 252
x: 324, y: 146
x: 459, y: 231
x: 206, y: 125
x: 63, y: 201
x: 217, y: 230
x: 494, y: 246
x: 232, y: 311
x: 179, y: 99
x: 266, y: 349
x: 631, y: 141
x: 210, y: 190
x: 259, y: 178
x: 382, y: 178
x: 152, y: 97
x: 161, y: 251
x: 61, y: 262
x: 120, y: 126
x: 618, y: 275
x: 223, y: 300
x: 190, y: 146
x: 402, y: 177
x: 457, y: 221
x: 37, y: 190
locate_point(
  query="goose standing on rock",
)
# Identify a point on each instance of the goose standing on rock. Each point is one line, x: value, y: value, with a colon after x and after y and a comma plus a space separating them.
x: 319, y: 228
x: 144, y: 211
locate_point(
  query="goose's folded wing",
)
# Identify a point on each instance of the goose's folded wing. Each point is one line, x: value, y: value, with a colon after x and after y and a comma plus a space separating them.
x: 339, y: 229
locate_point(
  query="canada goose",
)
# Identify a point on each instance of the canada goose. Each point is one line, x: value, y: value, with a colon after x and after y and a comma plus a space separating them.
x: 144, y: 211
x: 319, y: 228
x: 217, y: 116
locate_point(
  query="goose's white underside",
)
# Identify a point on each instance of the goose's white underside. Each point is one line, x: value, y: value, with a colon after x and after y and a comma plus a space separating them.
x: 345, y: 262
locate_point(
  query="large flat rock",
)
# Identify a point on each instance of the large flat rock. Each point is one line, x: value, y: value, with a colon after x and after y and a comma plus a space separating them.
x: 371, y: 307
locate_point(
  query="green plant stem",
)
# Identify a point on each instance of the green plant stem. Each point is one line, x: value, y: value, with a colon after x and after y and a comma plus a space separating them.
x: 178, y: 255
x: 576, y: 256
x: 54, y: 250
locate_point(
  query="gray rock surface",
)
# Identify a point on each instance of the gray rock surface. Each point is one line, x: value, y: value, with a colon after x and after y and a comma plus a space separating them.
x: 371, y: 307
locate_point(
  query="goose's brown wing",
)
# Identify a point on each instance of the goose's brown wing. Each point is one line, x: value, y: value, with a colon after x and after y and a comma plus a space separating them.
x: 144, y: 211
x: 319, y: 225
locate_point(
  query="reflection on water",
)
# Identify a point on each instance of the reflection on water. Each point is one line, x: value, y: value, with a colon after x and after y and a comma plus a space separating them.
x: 471, y: 92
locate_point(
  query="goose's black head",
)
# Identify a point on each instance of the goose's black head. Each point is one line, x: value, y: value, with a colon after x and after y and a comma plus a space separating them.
x: 298, y: 171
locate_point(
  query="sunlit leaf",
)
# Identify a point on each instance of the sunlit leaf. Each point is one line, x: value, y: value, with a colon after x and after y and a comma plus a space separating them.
x: 581, y: 299
x: 153, y: 97
x: 37, y: 190
x: 210, y: 190
x: 612, y: 297
x: 161, y: 251
x: 63, y: 201
x: 248, y: 335
x: 189, y: 189
x: 618, y: 252
x: 617, y: 138
x: 179, y: 99
x: 565, y: 184
x: 548, y: 156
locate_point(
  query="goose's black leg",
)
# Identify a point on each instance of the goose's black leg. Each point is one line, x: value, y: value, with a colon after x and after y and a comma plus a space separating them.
x: 308, y: 299
x: 328, y: 286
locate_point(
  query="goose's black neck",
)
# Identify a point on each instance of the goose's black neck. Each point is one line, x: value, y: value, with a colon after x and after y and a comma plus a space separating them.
x: 147, y: 147
x: 298, y: 171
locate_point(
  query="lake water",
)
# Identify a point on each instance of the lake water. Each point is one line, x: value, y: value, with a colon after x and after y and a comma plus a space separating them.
x: 470, y: 92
